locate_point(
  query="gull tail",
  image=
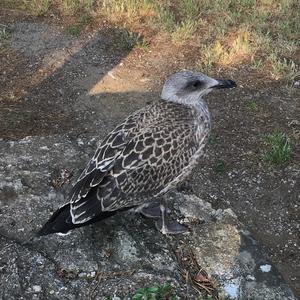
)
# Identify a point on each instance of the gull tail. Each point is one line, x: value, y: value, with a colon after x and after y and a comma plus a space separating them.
x: 61, y: 221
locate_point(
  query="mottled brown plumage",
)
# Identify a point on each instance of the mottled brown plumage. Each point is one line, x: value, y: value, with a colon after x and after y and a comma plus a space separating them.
x: 141, y: 159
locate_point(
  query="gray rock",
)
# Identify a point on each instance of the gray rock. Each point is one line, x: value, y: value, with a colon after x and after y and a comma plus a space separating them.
x: 115, y: 257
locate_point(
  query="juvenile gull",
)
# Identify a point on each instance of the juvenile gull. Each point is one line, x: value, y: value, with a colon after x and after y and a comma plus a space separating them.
x: 152, y: 151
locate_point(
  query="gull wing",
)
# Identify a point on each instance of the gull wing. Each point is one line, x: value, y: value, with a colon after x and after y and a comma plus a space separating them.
x: 133, y: 165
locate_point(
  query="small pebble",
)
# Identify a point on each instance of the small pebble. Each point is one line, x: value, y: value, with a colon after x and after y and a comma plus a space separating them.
x: 265, y: 268
x: 93, y: 274
x: 37, y: 288
x: 250, y: 277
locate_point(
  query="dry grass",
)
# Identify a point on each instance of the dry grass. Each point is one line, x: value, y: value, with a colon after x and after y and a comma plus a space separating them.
x: 230, y: 50
x: 284, y: 69
x: 184, y: 31
x: 71, y: 7
x: 262, y: 34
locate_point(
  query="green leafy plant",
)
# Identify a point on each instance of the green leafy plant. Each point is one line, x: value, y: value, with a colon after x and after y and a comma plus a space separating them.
x: 252, y: 105
x: 155, y: 292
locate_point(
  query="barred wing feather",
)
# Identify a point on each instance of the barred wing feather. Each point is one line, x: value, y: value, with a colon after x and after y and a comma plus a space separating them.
x: 136, y: 161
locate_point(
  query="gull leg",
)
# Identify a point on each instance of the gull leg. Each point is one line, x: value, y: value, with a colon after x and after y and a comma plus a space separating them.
x: 151, y: 210
x: 172, y: 227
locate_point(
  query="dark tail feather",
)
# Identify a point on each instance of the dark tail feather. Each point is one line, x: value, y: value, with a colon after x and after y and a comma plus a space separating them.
x: 61, y: 220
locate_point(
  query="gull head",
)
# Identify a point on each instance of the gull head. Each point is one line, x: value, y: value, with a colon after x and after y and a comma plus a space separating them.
x: 188, y: 87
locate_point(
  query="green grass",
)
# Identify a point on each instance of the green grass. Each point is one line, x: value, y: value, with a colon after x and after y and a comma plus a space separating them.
x: 279, y: 148
x: 155, y: 292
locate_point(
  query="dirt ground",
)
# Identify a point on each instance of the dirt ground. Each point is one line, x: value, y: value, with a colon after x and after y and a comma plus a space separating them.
x: 43, y: 70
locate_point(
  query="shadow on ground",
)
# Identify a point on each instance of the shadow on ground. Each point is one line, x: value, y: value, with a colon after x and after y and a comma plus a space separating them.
x: 70, y: 68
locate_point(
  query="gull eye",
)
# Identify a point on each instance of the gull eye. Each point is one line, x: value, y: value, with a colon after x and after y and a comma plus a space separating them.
x: 197, y: 84
x: 194, y: 85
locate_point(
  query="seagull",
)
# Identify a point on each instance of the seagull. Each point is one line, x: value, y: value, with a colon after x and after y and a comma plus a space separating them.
x: 143, y: 158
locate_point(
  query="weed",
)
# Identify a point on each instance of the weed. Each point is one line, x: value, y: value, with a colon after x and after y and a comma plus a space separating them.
x: 210, y: 56
x: 206, y: 298
x: 85, y: 19
x: 241, y: 44
x: 220, y: 167
x: 130, y: 39
x: 142, y: 43
x: 256, y: 63
x: 184, y: 31
x: 155, y: 292
x: 280, y: 148
x: 284, y: 69
x: 190, y: 9
x: 5, y: 32
x: 4, y: 50
x: 36, y: 7
x: 213, y: 139
x: 130, y: 8
x: 252, y: 105
x: 71, y: 7
x: 167, y: 19
x: 74, y: 29
x: 230, y: 51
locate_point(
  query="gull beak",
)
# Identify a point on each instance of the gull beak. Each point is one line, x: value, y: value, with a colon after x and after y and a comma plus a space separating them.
x: 224, y: 84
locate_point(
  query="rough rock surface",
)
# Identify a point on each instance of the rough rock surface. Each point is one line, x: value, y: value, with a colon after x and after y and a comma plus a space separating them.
x: 119, y: 255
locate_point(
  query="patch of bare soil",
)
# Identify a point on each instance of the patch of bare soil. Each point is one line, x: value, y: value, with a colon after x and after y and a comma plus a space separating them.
x: 54, y: 83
